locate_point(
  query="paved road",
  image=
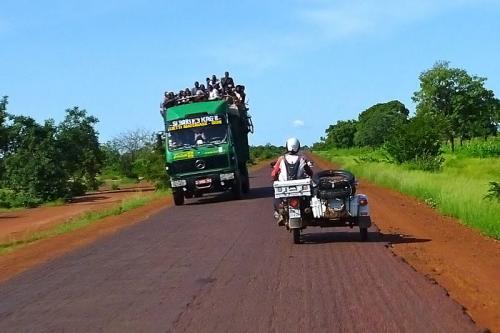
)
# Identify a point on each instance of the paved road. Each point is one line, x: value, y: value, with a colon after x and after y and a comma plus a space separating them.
x: 224, y: 266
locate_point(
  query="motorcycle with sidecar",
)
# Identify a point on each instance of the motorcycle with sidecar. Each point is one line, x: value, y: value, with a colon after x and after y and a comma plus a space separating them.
x: 327, y: 200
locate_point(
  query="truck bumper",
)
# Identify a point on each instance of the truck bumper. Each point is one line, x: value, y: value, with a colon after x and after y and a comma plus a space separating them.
x: 204, y: 183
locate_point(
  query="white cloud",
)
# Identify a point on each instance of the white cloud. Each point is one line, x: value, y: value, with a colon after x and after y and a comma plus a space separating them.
x: 298, y: 123
x: 348, y: 18
x: 316, y: 23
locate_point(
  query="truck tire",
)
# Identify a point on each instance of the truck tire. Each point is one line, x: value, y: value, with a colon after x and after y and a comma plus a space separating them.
x: 178, y: 198
x: 237, y: 188
x: 296, y: 236
x: 364, y: 234
x: 246, y: 185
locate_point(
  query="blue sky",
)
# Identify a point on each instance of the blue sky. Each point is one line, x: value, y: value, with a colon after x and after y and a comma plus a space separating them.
x: 305, y: 64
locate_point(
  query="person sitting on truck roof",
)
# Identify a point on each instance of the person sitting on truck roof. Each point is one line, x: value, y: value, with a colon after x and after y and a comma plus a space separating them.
x: 169, y: 100
x: 195, y: 88
x: 240, y: 93
x: 165, y: 100
x: 218, y: 88
x: 227, y: 80
x: 213, y: 93
x: 214, y: 81
x: 181, y: 97
x: 231, y: 92
x: 201, y: 93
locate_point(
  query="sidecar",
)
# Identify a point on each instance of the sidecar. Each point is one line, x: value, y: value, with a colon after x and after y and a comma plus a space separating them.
x: 328, y: 200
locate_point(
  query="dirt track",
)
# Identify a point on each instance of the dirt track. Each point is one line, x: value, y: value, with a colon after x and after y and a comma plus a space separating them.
x: 224, y: 266
x: 16, y: 224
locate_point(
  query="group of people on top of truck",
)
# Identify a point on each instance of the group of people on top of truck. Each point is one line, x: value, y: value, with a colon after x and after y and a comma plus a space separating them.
x: 215, y: 89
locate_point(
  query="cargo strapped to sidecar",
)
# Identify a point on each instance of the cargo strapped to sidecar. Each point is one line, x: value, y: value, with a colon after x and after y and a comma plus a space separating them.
x: 333, y: 184
x: 293, y: 188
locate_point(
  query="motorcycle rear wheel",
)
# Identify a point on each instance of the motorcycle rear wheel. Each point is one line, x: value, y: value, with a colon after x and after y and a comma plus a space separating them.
x: 296, y: 236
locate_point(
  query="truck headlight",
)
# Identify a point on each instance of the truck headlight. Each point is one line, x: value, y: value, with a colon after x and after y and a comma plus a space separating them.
x: 178, y: 183
x: 227, y: 176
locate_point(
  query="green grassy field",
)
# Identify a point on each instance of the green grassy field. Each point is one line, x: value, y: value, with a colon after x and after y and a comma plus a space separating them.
x: 458, y: 190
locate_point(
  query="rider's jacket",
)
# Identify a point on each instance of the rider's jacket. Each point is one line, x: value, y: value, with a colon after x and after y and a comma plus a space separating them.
x: 291, y: 167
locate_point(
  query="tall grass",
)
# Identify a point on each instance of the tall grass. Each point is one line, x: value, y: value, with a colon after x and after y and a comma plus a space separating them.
x: 458, y: 190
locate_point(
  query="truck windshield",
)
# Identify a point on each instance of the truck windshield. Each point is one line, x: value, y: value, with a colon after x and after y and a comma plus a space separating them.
x: 196, y: 132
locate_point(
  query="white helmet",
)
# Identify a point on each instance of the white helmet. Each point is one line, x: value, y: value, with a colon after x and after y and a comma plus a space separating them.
x: 292, y: 145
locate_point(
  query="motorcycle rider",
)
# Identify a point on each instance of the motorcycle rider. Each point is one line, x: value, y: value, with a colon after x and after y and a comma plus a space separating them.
x: 290, y: 166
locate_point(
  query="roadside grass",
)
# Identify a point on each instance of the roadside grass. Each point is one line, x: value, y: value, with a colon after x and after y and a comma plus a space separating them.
x: 82, y: 221
x: 10, y: 210
x: 458, y: 190
x: 116, y: 183
x: 54, y: 203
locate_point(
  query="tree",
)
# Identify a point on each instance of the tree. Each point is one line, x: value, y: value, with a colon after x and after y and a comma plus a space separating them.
x: 417, y: 141
x: 3, y: 119
x: 341, y: 135
x: 150, y: 164
x: 465, y: 106
x: 42, y: 162
x: 3, y: 130
x: 259, y: 153
x: 375, y: 125
x: 32, y: 162
x: 79, y: 141
x: 132, y: 142
x: 129, y: 145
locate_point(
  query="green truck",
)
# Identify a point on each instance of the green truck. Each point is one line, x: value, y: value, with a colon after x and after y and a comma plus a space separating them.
x: 207, y: 148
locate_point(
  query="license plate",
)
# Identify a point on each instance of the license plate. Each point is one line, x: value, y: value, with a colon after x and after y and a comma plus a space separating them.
x: 205, y: 181
x: 293, y: 212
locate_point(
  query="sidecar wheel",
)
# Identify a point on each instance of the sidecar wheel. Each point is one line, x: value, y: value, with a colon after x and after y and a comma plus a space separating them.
x: 364, y: 234
x: 296, y: 236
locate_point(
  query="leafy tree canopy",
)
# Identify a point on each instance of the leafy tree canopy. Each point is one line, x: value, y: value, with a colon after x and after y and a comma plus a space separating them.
x: 341, y: 135
x: 79, y: 140
x: 41, y: 162
x: 418, y: 140
x: 466, y: 107
x: 375, y: 125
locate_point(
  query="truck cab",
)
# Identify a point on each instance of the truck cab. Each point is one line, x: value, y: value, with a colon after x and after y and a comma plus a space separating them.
x: 207, y: 149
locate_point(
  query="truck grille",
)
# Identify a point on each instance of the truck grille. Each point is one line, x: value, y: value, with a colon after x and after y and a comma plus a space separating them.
x: 211, y: 162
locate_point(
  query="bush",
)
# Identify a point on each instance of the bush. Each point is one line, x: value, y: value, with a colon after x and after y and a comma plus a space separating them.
x: 426, y: 163
x: 9, y: 199
x: 260, y: 153
x: 77, y: 188
x: 493, y: 192
x: 417, y: 143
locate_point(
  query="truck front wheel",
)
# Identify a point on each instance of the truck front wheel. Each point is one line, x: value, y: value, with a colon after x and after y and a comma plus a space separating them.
x: 246, y: 184
x: 237, y: 188
x: 178, y: 198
